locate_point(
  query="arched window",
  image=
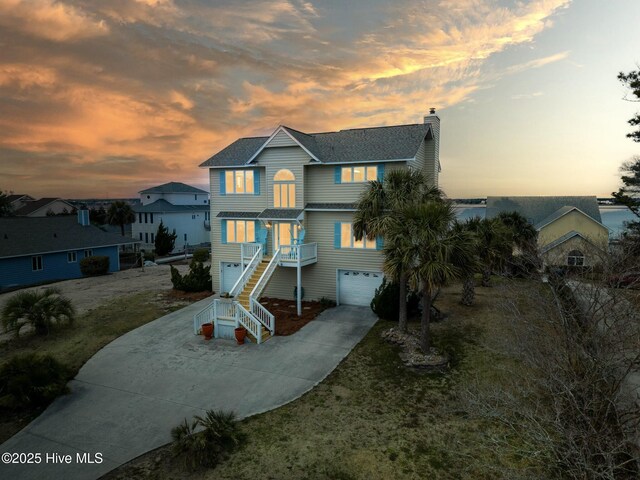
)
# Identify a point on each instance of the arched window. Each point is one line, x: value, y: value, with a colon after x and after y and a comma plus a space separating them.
x: 284, y: 189
x: 575, y: 258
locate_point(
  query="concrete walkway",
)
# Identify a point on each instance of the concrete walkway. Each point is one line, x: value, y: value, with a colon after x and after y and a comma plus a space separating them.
x: 126, y: 399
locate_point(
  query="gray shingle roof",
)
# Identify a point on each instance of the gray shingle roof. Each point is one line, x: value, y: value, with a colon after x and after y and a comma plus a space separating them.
x: 238, y: 215
x: 162, y: 206
x: 330, y: 206
x: 280, y: 214
x: 32, y: 206
x: 174, y: 187
x: 399, y: 142
x: 32, y: 235
x: 538, y: 209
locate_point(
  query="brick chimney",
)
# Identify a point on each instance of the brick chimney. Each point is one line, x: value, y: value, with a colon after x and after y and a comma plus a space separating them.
x: 433, y: 148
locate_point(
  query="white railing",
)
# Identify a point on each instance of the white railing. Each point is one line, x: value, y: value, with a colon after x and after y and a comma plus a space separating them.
x: 302, y: 253
x: 247, y: 272
x: 264, y: 315
x: 266, y: 275
x: 248, y: 250
x: 248, y: 321
x: 206, y: 315
x: 225, y: 310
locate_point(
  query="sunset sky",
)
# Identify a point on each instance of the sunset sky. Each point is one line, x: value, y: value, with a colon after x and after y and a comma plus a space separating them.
x: 105, y: 98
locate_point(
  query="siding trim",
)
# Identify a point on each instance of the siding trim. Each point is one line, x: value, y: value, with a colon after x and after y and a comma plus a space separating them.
x: 67, y: 249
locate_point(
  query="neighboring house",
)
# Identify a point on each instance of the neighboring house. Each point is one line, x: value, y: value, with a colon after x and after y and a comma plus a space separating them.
x: 182, y: 208
x: 17, y: 201
x: 295, y: 194
x: 44, y: 249
x: 570, y: 229
x: 45, y: 207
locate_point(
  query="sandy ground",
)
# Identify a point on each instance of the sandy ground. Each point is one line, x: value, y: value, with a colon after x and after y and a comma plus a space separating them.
x: 89, y: 292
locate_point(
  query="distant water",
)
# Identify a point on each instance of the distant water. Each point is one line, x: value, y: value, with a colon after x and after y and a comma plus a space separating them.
x: 613, y: 217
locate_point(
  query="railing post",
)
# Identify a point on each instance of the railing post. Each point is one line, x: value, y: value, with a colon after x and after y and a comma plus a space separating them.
x: 215, y: 319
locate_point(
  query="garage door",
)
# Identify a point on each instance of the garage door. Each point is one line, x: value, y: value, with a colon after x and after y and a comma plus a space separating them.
x: 357, y: 287
x: 230, y: 272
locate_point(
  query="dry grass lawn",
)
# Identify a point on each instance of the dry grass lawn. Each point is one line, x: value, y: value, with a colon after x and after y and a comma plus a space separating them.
x: 371, y: 418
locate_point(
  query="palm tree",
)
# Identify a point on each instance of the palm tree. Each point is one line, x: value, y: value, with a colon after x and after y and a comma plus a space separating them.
x: 436, y: 250
x: 495, y: 244
x: 379, y: 204
x: 524, y: 233
x: 41, y: 308
x: 120, y: 213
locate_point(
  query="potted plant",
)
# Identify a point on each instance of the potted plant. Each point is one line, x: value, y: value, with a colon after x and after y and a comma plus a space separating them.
x: 207, y: 330
x: 226, y: 297
x: 240, y: 333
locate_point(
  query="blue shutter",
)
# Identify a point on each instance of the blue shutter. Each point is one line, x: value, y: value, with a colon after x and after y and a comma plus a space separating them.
x: 338, y: 175
x: 336, y: 235
x: 257, y: 227
x: 223, y: 186
x: 223, y: 231
x: 256, y: 182
x: 379, y: 243
x: 381, y: 172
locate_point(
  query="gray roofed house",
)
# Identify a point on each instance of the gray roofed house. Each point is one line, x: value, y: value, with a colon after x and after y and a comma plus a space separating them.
x: 44, y: 207
x: 570, y: 229
x: 43, y: 249
x: 284, y: 205
x: 160, y: 206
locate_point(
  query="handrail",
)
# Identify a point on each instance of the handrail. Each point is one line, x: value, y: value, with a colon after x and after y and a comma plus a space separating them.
x: 308, y: 251
x: 248, y: 250
x: 206, y: 315
x: 247, y: 272
x: 248, y: 321
x: 266, y: 275
x: 265, y: 316
x: 299, y: 253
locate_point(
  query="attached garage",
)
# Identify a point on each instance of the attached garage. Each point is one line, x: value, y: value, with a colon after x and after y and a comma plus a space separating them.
x: 229, y: 274
x: 357, y: 287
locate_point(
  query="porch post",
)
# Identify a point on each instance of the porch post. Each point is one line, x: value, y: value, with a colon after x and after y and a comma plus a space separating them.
x: 241, y: 257
x: 299, y: 289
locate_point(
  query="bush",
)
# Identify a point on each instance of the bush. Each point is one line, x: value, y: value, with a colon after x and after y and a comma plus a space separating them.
x: 327, y: 303
x: 96, y: 265
x: 43, y: 309
x: 32, y: 380
x: 201, y: 255
x: 150, y: 256
x: 387, y: 298
x: 197, y: 280
x: 165, y: 241
x: 220, y: 435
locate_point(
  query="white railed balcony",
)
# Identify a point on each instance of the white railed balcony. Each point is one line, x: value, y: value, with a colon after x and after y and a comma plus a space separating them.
x: 292, y: 255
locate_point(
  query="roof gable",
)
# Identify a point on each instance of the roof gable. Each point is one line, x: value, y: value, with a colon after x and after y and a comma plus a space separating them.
x: 377, y: 144
x: 174, y: 187
x: 282, y: 130
x: 35, y: 205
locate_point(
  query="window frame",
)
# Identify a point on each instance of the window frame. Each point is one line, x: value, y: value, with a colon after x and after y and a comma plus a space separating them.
x: 364, y: 244
x: 233, y: 175
x: 88, y: 253
x: 575, y: 258
x: 284, y: 186
x: 232, y: 230
x: 72, y: 257
x: 37, y: 263
x: 351, y: 169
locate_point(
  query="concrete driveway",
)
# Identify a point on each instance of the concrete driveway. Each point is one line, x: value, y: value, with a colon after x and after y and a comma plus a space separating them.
x: 126, y: 399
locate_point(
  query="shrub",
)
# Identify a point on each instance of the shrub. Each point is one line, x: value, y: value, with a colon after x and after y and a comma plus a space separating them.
x: 387, y: 298
x: 165, y: 241
x: 97, y: 265
x: 40, y: 308
x: 32, y: 380
x: 220, y: 435
x: 150, y: 256
x: 197, y: 280
x: 201, y: 255
x: 327, y: 303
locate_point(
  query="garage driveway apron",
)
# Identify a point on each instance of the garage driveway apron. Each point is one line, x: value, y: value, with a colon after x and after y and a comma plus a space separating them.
x: 128, y: 396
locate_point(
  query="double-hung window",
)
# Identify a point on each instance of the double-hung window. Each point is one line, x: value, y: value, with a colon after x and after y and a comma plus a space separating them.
x: 347, y: 240
x: 239, y: 231
x: 239, y: 181
x: 72, y: 257
x: 36, y: 263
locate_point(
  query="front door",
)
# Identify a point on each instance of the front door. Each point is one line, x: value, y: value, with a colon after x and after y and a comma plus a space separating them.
x: 285, y: 233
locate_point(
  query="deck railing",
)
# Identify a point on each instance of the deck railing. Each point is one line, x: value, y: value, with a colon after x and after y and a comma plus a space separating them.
x: 248, y: 321
x: 206, y: 315
x: 248, y: 250
x: 266, y: 275
x: 299, y: 253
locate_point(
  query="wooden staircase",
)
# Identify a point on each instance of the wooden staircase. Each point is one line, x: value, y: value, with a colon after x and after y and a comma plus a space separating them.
x: 244, y: 297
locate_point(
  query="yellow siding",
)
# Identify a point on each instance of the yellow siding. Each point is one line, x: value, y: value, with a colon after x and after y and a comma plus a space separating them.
x: 320, y: 185
x: 558, y: 256
x: 574, y: 221
x: 319, y: 279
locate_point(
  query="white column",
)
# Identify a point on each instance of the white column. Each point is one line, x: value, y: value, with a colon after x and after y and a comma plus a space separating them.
x: 299, y: 290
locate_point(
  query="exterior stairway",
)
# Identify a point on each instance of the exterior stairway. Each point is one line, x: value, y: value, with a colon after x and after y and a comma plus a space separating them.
x: 244, y: 297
